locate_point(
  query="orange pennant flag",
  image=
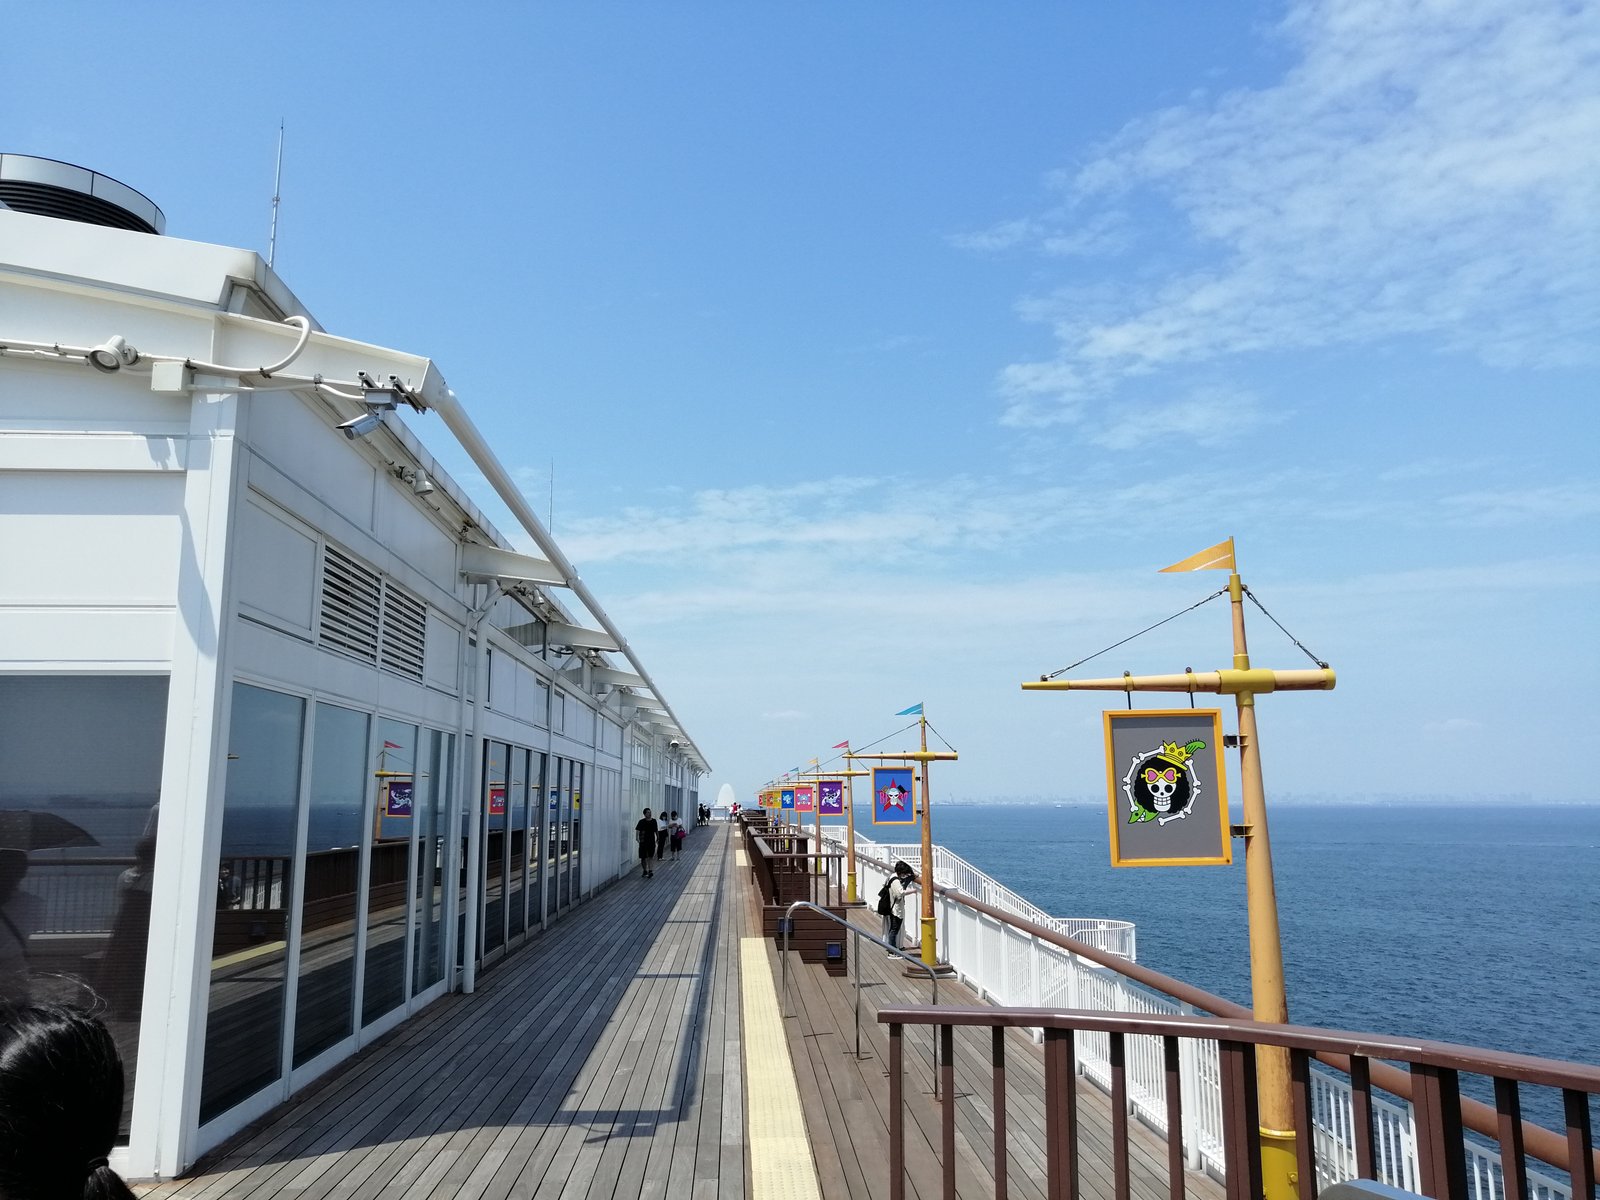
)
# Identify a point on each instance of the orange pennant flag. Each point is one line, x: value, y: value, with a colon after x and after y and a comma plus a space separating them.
x: 1212, y: 558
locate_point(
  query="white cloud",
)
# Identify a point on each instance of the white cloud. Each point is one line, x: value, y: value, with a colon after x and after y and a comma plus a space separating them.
x: 1578, y: 500
x: 1206, y: 417
x: 1424, y: 169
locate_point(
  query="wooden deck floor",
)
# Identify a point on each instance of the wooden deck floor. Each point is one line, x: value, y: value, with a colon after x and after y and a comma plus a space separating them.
x: 604, y: 1059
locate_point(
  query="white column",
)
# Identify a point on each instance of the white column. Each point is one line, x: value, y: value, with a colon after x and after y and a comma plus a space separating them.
x: 166, y: 1099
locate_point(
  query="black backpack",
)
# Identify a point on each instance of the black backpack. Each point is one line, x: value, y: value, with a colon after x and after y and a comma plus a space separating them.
x: 885, y: 905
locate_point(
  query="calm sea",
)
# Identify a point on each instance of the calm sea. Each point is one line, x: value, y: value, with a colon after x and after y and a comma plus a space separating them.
x: 1474, y: 924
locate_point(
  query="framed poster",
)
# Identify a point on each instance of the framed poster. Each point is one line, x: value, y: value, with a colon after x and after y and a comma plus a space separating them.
x: 1167, y: 788
x: 892, y: 802
x: 786, y: 799
x: 830, y: 797
x: 804, y: 798
x: 397, y: 797
x: 497, y: 799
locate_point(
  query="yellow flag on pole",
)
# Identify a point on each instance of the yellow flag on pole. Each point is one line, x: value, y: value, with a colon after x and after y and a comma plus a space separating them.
x: 1212, y: 558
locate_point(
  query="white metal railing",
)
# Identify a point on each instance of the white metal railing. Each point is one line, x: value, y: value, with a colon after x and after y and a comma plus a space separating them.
x: 1008, y: 966
x: 953, y: 871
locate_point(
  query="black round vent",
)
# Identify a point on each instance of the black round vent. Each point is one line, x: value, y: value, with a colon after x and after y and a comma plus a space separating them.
x: 48, y: 188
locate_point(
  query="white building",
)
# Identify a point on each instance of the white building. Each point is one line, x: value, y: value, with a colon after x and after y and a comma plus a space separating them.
x: 328, y: 747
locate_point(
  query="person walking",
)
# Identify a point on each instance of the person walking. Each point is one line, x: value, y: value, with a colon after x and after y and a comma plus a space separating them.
x: 645, y: 831
x: 675, y: 835
x: 903, y: 880
x: 662, y: 832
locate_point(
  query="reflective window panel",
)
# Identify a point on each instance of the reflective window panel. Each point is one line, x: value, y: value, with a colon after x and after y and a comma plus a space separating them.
x: 431, y: 800
x: 325, y: 993
x: 493, y: 932
x: 80, y: 777
x: 391, y: 792
x: 244, y: 1016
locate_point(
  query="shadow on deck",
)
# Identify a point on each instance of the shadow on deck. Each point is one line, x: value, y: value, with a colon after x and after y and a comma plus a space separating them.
x: 605, y: 1059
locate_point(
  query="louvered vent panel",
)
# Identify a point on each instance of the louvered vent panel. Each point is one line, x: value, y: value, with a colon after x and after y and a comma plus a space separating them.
x: 405, y: 629
x: 350, y: 599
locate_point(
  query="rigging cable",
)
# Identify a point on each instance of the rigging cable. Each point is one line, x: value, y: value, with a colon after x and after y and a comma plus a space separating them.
x: 1286, y: 633
x: 1142, y: 632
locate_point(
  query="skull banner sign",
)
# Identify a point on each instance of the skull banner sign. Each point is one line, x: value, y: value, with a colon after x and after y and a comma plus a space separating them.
x: 1167, y: 788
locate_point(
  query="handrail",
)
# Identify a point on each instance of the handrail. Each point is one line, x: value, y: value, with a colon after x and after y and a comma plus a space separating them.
x: 933, y: 976
x: 1544, y: 1144
x: 1436, y: 1066
x: 1525, y: 1068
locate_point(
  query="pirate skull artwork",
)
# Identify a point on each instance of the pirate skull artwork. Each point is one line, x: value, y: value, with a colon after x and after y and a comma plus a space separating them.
x: 1160, y: 784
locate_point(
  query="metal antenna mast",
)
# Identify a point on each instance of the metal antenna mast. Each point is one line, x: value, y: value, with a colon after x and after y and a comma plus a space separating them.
x: 277, y: 188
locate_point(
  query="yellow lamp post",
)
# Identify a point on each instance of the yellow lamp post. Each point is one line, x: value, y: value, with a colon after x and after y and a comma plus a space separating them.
x: 926, y: 757
x: 1269, y: 1001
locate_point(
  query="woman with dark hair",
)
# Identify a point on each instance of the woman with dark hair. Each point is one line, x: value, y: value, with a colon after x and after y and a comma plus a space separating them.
x: 60, y: 1104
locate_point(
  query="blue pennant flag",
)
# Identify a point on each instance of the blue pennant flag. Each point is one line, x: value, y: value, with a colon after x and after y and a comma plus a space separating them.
x: 914, y: 711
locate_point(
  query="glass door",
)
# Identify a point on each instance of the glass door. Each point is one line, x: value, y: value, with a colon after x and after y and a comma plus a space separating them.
x: 389, y: 869
x: 517, y: 847
x: 496, y: 846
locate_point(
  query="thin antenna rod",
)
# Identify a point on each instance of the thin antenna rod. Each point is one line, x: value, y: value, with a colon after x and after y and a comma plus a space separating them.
x: 277, y: 189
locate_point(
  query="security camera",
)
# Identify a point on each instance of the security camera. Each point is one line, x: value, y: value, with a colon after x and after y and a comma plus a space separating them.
x: 674, y: 744
x: 358, y: 427
x: 112, y: 355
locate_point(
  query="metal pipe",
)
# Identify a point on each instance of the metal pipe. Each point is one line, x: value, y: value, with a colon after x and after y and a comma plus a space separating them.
x: 443, y: 401
x: 933, y: 976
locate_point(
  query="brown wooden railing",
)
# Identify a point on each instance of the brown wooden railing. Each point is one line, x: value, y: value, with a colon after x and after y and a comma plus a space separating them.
x: 1435, y: 1070
x: 1543, y: 1144
x: 786, y: 871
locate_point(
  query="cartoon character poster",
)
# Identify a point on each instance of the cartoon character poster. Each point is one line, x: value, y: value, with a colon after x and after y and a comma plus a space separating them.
x: 497, y: 799
x: 892, y: 802
x: 397, y: 798
x: 1167, y: 788
x: 804, y: 798
x: 830, y: 795
x: 786, y: 799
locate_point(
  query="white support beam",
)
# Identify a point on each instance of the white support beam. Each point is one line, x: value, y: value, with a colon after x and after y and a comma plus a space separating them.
x: 578, y: 637
x: 616, y: 678
x: 489, y: 564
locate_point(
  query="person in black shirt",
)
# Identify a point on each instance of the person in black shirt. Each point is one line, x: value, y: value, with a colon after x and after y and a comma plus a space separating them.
x: 645, y: 830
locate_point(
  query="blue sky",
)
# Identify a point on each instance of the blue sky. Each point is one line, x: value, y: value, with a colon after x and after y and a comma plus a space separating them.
x: 884, y: 352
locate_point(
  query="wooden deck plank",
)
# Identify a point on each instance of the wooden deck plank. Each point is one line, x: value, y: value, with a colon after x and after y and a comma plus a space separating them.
x: 604, y: 1058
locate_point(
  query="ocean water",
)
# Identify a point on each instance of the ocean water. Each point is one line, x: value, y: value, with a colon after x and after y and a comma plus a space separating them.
x: 1474, y: 923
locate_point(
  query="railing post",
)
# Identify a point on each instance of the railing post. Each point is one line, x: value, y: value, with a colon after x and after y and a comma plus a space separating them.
x: 897, y: 1116
x: 1441, y: 1160
x: 1060, y: 1115
x: 1189, y: 1080
x: 997, y: 1060
x: 1171, y: 1061
x: 947, y: 1108
x: 1119, y: 1114
x: 1241, y: 1121
x: 1580, y: 1142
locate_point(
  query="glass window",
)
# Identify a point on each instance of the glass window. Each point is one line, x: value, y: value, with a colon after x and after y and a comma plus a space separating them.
x: 325, y: 993
x: 431, y: 802
x: 244, y: 1016
x: 493, y: 933
x: 383, y: 985
x: 537, y: 822
x: 555, y: 784
x: 577, y: 830
x: 80, y: 778
x: 517, y: 837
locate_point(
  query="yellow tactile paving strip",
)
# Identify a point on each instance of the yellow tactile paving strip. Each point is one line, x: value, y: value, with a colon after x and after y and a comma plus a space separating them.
x: 780, y: 1151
